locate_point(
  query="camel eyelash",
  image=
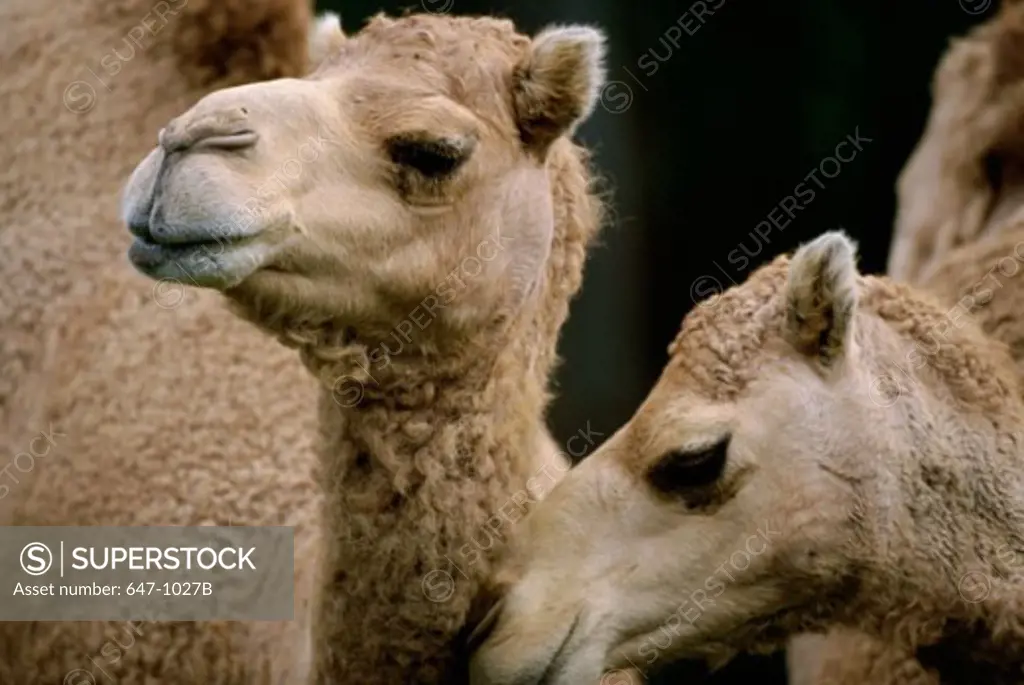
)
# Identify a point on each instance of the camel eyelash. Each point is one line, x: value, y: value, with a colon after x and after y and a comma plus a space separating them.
x: 679, y: 471
x: 430, y: 156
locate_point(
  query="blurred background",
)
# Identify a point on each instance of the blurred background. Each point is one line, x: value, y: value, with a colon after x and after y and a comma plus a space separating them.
x: 715, y: 112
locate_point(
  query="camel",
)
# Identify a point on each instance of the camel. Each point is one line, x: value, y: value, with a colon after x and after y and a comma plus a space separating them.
x: 799, y: 466
x: 121, y: 403
x: 964, y: 181
x: 421, y: 269
x: 977, y: 281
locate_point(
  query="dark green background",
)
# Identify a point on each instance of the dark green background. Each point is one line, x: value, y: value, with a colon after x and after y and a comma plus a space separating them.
x: 727, y: 125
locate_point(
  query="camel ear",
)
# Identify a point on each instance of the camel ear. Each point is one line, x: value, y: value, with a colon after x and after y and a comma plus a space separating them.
x: 325, y: 37
x: 558, y: 82
x: 821, y: 296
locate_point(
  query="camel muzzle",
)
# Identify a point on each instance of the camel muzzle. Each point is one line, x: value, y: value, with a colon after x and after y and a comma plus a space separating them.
x: 194, y: 217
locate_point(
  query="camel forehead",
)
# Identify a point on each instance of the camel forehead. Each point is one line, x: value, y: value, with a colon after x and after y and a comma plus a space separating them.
x: 719, y: 350
x: 722, y: 339
x: 469, y: 60
x: 452, y: 42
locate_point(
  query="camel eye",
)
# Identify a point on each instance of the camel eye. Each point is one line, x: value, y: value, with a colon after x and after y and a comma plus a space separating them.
x: 433, y: 157
x: 678, y: 470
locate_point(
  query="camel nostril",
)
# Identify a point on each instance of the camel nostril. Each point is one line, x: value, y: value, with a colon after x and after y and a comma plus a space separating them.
x: 212, y: 131
x: 231, y: 141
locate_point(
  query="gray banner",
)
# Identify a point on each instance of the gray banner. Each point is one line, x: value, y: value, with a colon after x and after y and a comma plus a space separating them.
x: 146, y: 574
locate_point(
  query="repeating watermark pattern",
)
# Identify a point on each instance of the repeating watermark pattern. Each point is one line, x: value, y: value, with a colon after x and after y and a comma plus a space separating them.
x: 887, y: 387
x: 624, y: 676
x: 696, y: 603
x: 109, y: 654
x: 975, y: 587
x: 439, y: 584
x: 347, y: 390
x: 24, y: 462
x: 617, y: 95
x: 620, y: 677
x: 437, y: 6
x: 706, y: 289
x: 975, y: 6
x: 168, y: 293
x: 80, y: 96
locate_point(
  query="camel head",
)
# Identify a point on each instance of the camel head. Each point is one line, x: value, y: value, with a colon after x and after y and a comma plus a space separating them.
x: 736, y: 507
x: 408, y: 169
x: 965, y: 178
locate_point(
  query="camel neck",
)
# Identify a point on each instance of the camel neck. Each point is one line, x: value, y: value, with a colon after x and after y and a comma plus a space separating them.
x: 946, y: 577
x: 418, y: 492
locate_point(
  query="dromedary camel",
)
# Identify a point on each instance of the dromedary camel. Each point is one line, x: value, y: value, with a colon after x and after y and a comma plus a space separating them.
x: 121, y: 404
x: 965, y: 179
x: 813, y: 455
x: 984, y: 282
x: 422, y: 267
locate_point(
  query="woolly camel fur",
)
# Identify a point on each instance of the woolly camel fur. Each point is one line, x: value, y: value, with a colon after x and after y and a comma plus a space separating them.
x: 965, y: 180
x: 958, y: 225
x: 154, y: 412
x: 752, y: 446
x: 422, y: 268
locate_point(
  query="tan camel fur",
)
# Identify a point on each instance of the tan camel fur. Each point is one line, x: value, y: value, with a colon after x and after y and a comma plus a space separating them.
x: 147, y: 400
x: 822, y: 450
x: 422, y: 267
x: 987, y: 280
x: 965, y: 179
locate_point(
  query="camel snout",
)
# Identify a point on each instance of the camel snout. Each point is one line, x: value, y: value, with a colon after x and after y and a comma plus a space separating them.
x: 194, y: 215
x: 225, y: 129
